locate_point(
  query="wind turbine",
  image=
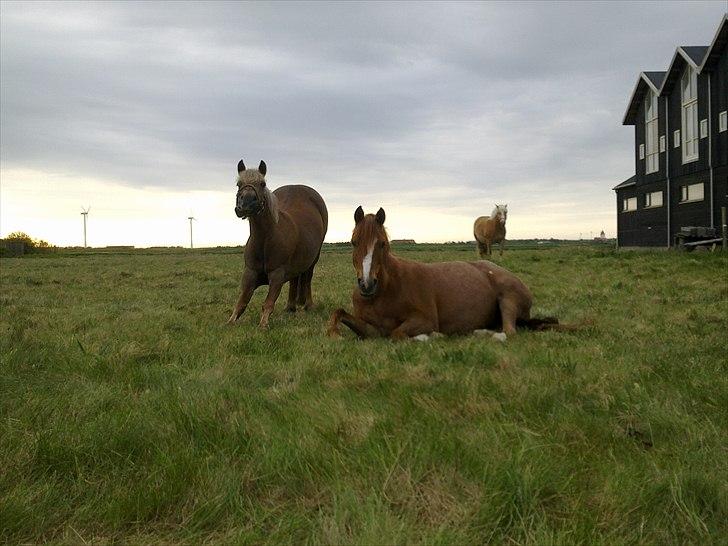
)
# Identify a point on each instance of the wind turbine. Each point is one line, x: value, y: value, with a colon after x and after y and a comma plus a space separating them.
x: 84, y: 213
x: 191, y: 218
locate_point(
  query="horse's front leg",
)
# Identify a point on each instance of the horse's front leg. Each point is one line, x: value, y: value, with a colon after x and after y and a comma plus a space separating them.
x: 360, y: 327
x: 413, y: 326
x: 276, y: 280
x: 247, y: 286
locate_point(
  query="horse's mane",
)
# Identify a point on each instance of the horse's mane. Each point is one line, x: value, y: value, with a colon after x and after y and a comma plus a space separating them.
x: 272, y: 201
x: 367, y: 229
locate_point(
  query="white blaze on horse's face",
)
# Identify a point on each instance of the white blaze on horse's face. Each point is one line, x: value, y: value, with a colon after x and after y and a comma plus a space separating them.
x: 366, y: 264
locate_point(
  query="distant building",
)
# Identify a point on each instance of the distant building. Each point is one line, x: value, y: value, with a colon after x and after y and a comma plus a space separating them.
x: 681, y: 147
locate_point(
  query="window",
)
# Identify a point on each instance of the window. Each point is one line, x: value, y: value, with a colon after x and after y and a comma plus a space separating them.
x: 629, y: 204
x: 723, y: 121
x: 653, y: 153
x: 653, y: 199
x: 691, y: 192
x: 689, y: 87
x: 676, y: 139
x: 703, y: 128
x: 662, y: 144
x: 642, y: 151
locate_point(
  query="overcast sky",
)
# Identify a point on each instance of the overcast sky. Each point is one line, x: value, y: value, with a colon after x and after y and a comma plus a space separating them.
x: 433, y: 111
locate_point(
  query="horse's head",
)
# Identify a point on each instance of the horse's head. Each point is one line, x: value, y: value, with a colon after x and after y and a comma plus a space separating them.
x: 371, y: 247
x: 252, y: 196
x: 501, y: 213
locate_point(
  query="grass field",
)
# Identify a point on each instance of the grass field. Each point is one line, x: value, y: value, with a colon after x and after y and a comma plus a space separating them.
x: 130, y: 412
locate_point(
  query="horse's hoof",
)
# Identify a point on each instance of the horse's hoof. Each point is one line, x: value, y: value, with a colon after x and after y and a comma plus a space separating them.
x: 500, y: 336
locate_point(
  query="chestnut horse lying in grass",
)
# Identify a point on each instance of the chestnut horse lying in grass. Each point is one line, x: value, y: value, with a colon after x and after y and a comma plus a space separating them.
x: 400, y: 298
x: 287, y: 229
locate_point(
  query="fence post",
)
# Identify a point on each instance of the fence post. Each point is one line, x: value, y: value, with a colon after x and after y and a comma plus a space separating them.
x: 724, y: 223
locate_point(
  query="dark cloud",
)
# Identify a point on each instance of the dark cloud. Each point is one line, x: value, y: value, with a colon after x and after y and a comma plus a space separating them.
x: 516, y: 98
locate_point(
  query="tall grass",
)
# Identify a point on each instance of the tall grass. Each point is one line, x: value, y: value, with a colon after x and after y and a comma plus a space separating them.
x: 130, y: 412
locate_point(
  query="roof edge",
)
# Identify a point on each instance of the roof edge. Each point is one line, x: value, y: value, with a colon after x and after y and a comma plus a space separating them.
x: 721, y: 26
x: 641, y: 78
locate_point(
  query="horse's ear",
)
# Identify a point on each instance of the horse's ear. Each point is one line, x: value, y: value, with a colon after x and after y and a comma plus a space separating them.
x: 358, y: 214
x: 262, y: 168
x: 380, y: 216
x: 241, y: 166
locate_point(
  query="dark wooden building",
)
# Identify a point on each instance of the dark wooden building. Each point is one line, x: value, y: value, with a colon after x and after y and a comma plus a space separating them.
x: 681, y: 147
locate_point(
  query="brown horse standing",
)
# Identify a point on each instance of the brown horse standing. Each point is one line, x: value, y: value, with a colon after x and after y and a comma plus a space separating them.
x: 400, y: 298
x: 287, y: 229
x: 491, y: 229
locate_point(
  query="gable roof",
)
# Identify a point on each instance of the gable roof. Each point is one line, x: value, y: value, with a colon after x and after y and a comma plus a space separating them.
x: 691, y: 55
x: 631, y: 181
x: 696, y: 53
x: 717, y: 45
x: 645, y: 81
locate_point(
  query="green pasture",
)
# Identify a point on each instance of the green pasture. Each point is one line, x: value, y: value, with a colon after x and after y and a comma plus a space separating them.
x: 130, y: 413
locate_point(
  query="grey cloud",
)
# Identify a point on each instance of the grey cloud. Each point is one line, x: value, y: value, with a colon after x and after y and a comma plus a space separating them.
x: 362, y: 97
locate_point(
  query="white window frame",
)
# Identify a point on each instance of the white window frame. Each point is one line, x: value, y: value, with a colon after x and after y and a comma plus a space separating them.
x: 689, y: 101
x: 676, y: 139
x: 690, y: 193
x: 652, y: 150
x: 653, y: 200
x: 642, y: 151
x: 662, y: 144
x: 703, y: 128
x: 629, y: 204
x: 723, y: 121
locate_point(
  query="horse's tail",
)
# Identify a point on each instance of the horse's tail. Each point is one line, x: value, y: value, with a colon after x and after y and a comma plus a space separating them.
x: 549, y: 323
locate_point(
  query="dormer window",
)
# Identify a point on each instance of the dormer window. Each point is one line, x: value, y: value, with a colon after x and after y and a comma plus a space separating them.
x: 689, y: 88
x: 652, y: 163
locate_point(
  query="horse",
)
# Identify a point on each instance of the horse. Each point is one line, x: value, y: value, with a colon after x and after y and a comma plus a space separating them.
x: 287, y: 229
x: 399, y: 298
x: 491, y: 229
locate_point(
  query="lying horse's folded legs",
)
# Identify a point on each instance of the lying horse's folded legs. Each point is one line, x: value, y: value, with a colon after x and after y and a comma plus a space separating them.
x: 412, y: 327
x: 358, y: 326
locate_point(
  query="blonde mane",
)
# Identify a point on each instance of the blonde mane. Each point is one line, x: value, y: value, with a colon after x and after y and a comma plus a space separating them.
x: 500, y: 211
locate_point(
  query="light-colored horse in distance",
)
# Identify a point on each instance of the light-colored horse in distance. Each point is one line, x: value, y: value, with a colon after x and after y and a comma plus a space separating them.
x: 491, y: 229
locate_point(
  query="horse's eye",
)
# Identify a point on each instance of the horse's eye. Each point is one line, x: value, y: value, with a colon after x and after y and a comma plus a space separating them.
x: 381, y: 244
x: 262, y: 184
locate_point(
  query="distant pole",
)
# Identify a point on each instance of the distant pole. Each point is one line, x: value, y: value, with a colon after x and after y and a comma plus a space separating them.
x: 190, y: 218
x: 84, y: 214
x: 724, y: 222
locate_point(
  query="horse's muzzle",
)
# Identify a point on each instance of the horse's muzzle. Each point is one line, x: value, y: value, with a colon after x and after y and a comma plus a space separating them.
x: 248, y: 207
x: 369, y: 289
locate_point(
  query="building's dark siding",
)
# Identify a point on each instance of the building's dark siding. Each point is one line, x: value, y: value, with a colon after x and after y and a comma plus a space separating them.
x: 644, y: 226
x: 720, y: 193
x: 640, y: 138
x: 628, y: 232
x: 677, y: 168
x: 719, y: 97
x: 689, y: 214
